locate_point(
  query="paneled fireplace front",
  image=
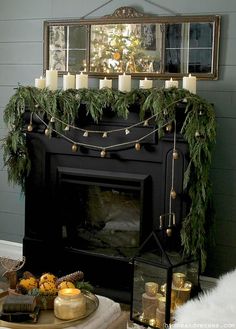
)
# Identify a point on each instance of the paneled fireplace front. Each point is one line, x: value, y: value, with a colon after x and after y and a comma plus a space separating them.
x: 91, y: 213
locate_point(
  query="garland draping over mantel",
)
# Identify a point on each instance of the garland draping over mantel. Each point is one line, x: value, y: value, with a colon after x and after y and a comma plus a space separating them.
x: 198, y: 129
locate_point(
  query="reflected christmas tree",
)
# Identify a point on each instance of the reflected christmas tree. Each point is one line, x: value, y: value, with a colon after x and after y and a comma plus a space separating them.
x: 119, y: 48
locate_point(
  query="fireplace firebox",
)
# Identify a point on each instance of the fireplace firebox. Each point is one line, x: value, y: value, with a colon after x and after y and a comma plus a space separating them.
x: 91, y: 213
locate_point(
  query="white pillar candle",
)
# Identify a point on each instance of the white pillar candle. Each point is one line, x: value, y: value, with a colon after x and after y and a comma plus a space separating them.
x: 124, y: 83
x: 145, y: 84
x: 190, y: 83
x: 68, y: 81
x: 105, y: 83
x: 81, y: 80
x: 171, y: 83
x: 40, y: 83
x: 51, y: 79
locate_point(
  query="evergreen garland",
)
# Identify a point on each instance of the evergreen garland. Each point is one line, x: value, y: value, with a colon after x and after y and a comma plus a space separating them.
x: 199, y: 130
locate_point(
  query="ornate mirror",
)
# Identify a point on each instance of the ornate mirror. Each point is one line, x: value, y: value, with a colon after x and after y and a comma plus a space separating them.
x: 131, y: 42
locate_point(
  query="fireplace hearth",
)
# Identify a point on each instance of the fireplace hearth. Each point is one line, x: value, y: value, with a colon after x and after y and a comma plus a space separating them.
x: 91, y: 213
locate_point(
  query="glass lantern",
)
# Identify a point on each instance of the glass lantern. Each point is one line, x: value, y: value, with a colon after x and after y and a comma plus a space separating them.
x: 162, y: 281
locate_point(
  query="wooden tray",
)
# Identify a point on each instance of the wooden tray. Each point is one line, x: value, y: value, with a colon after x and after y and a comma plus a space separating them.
x: 47, y: 319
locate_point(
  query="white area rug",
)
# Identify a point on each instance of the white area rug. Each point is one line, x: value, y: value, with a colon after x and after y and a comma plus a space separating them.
x: 213, y: 309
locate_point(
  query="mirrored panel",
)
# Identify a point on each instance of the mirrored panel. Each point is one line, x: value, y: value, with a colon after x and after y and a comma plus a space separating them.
x: 189, y: 48
x: 131, y: 42
x: 67, y: 47
x: 131, y: 48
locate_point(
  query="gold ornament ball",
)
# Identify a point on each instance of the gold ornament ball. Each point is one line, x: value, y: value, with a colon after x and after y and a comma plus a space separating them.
x: 169, y: 232
x: 30, y: 127
x: 103, y: 153
x: 74, y: 148
x: 137, y: 147
x: 175, y: 155
x: 173, y: 194
x: 47, y: 132
x: 169, y: 128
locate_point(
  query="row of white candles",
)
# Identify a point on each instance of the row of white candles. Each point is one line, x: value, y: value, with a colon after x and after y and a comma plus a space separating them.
x: 79, y: 81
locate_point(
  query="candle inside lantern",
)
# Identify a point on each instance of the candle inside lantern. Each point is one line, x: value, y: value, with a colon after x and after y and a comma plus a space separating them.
x: 150, y: 300
x: 105, y: 83
x: 145, y: 84
x: 190, y: 83
x: 81, y: 80
x: 149, y: 305
x: 151, y: 288
x: 124, y: 82
x: 178, y: 279
x: 51, y: 79
x: 171, y: 83
x: 40, y: 83
x: 182, y: 294
x: 68, y: 81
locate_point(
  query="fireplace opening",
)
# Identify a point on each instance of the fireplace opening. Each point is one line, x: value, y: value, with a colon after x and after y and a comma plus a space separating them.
x: 103, y: 216
x: 103, y: 212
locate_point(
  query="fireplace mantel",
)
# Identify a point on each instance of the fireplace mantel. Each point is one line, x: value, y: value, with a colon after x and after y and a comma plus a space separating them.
x: 46, y: 244
x: 56, y: 173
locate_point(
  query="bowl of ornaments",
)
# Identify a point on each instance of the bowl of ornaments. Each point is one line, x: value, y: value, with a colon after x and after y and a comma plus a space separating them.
x: 45, y: 287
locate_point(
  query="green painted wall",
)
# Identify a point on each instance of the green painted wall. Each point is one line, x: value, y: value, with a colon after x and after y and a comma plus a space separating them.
x: 21, y: 59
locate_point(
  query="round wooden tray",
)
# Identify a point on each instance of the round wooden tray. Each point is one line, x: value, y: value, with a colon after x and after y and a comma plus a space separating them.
x: 47, y: 319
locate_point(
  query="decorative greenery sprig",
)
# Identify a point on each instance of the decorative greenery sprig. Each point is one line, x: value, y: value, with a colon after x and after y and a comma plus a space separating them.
x: 198, y: 129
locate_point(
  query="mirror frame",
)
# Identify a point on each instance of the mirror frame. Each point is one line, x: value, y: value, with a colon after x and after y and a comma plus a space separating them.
x: 132, y: 16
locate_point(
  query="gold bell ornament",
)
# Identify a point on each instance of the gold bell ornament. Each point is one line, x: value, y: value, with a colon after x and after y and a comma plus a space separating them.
x: 74, y: 148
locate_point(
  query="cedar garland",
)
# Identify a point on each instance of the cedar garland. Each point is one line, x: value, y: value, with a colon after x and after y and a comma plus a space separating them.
x: 199, y: 130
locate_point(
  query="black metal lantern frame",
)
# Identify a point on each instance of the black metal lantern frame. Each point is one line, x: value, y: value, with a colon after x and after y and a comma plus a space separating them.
x: 162, y: 281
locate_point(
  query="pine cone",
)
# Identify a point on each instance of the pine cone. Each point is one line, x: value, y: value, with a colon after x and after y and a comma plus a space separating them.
x: 27, y: 275
x: 72, y: 277
x: 21, y: 289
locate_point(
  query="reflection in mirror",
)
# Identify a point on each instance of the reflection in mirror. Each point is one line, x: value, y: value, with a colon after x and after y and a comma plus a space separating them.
x: 67, y: 47
x: 189, y: 48
x: 128, y: 41
x: 131, y: 48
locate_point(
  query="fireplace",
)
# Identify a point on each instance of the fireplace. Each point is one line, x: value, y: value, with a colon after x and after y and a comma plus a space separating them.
x: 91, y: 213
x: 111, y: 208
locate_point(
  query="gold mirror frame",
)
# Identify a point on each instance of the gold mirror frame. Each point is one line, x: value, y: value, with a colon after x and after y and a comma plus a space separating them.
x: 154, y: 46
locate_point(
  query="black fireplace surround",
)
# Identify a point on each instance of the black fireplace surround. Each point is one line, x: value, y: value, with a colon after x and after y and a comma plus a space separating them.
x: 91, y: 213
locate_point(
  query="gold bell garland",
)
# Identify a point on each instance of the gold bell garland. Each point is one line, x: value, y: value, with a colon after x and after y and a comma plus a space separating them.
x: 198, y: 129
